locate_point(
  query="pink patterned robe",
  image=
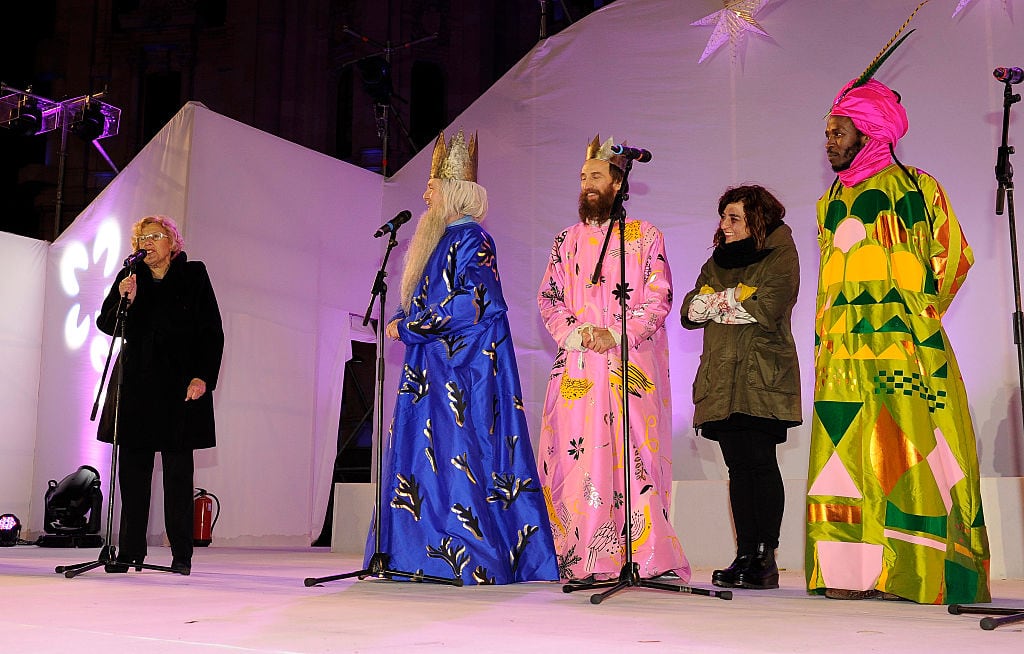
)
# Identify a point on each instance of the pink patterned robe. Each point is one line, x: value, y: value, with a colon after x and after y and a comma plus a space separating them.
x: 581, y: 435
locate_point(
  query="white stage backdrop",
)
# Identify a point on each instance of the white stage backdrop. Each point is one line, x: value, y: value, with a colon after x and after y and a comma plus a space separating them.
x: 287, y: 233
x: 22, y: 284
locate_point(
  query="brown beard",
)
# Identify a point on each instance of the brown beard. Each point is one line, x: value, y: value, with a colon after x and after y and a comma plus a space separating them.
x: 597, y: 210
x: 429, y: 231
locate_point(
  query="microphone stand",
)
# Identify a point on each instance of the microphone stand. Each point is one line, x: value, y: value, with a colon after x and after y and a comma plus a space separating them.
x: 1004, y: 175
x: 108, y: 554
x: 379, y: 565
x: 629, y: 575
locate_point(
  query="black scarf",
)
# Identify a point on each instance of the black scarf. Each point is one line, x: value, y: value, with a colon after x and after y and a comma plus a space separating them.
x: 742, y: 253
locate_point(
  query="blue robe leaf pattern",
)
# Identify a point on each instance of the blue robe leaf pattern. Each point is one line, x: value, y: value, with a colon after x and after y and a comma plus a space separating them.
x: 460, y: 491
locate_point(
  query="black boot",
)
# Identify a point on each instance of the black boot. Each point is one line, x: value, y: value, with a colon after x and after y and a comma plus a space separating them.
x: 182, y: 566
x: 761, y: 572
x: 727, y: 578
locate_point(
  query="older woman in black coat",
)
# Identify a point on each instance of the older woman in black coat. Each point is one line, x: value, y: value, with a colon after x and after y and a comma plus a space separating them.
x: 170, y: 359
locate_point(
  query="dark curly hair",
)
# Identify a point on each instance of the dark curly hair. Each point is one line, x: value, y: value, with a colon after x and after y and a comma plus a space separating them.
x: 762, y: 210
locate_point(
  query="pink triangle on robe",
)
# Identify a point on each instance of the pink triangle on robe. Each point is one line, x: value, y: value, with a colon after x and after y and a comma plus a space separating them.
x: 834, y: 480
x: 945, y: 468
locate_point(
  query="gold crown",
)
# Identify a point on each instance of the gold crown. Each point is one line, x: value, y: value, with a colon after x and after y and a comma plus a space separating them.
x: 456, y: 160
x: 603, y: 151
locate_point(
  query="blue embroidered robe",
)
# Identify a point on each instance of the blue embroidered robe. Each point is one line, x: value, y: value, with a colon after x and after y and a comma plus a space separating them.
x: 462, y: 496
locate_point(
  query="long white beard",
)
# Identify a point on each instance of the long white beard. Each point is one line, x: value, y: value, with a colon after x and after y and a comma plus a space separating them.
x: 429, y: 231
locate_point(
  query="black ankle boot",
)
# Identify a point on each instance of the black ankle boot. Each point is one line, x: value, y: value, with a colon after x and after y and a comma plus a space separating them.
x: 727, y: 578
x: 182, y: 566
x: 761, y: 571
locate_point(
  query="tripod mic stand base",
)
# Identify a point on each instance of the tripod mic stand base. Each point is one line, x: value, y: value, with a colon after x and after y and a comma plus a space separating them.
x: 378, y: 567
x: 989, y: 623
x: 107, y: 560
x: 629, y: 577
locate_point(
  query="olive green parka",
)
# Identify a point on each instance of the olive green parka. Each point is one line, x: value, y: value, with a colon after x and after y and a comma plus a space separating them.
x: 751, y: 368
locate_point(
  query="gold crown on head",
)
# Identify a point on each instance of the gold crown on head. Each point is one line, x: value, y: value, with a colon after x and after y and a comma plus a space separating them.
x: 603, y: 151
x: 456, y: 160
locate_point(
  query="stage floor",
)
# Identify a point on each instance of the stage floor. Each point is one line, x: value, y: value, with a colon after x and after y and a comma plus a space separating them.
x: 254, y: 600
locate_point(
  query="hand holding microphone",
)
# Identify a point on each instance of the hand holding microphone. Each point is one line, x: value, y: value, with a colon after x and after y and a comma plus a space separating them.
x: 128, y: 287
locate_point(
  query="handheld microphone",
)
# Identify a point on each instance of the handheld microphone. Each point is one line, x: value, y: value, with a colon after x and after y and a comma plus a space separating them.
x: 636, y: 154
x: 392, y: 225
x: 1011, y: 75
x: 134, y: 258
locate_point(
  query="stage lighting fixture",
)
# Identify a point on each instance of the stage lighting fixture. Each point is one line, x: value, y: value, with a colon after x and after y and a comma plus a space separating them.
x: 90, y: 119
x: 26, y: 113
x: 90, y: 127
x: 376, y: 74
x: 67, y: 505
x: 85, y: 116
x: 10, y: 530
x: 29, y: 120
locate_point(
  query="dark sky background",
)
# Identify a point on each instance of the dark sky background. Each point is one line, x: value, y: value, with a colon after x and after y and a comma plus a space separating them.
x: 43, y: 49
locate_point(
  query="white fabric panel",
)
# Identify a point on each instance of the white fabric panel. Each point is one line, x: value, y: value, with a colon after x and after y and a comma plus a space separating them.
x: 630, y: 71
x: 273, y: 221
x: 22, y: 287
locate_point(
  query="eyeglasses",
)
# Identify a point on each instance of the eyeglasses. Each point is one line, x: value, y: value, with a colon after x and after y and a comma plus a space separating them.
x: 158, y: 236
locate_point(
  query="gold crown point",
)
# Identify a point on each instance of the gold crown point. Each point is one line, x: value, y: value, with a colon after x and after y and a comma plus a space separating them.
x: 456, y: 159
x: 603, y: 151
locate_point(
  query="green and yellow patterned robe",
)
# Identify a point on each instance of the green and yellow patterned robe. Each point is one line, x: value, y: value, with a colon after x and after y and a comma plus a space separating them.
x: 893, y: 500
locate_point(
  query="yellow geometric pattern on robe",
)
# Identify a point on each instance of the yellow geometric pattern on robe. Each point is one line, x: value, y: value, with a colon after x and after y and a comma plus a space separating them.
x: 867, y: 263
x: 907, y: 271
x: 832, y: 270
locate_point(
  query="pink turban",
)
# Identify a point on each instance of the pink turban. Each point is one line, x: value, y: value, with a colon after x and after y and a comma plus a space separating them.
x: 875, y: 110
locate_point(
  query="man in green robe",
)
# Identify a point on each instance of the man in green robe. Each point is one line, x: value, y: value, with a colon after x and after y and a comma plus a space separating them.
x: 893, y: 500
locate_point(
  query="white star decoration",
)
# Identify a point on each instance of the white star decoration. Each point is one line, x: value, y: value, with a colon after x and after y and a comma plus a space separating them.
x: 959, y: 7
x: 962, y: 4
x: 731, y: 23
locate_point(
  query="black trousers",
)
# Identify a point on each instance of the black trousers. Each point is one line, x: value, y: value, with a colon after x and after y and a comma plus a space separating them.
x: 756, y: 493
x: 135, y: 476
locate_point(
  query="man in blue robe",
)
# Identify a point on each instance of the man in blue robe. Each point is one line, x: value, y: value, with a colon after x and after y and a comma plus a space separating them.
x: 461, y: 495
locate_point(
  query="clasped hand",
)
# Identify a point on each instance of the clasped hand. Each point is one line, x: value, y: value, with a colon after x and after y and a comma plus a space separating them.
x: 598, y: 339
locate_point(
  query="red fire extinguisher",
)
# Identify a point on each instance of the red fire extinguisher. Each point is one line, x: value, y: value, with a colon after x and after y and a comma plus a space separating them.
x: 204, y: 519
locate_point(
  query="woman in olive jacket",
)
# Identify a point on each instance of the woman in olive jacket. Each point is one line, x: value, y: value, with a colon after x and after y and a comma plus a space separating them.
x: 171, y: 360
x: 747, y: 390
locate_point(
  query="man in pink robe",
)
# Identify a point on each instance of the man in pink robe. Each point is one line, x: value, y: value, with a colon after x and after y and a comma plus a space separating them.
x: 581, y: 441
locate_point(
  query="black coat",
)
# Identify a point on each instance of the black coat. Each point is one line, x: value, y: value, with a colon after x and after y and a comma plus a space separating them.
x: 173, y: 334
